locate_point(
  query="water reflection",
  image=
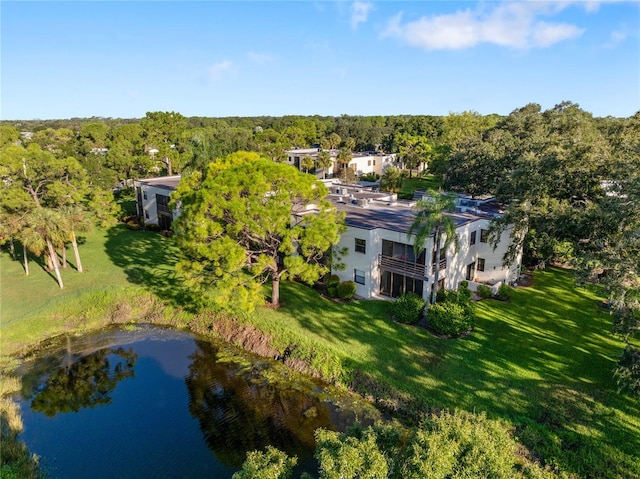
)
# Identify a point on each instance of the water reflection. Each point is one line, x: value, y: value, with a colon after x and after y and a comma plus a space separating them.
x: 183, y: 413
x: 238, y: 413
x: 86, y: 383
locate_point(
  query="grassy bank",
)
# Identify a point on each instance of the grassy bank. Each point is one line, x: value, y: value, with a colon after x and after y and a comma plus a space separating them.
x: 543, y: 361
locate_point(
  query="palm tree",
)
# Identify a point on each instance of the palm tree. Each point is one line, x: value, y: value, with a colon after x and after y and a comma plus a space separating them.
x: 306, y: 163
x: 343, y: 158
x: 43, y: 231
x: 324, y: 162
x: 75, y: 219
x: 431, y: 218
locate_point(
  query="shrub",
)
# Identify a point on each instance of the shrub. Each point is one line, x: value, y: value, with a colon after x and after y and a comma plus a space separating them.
x: 346, y: 289
x: 270, y: 464
x: 370, y: 177
x: 461, y: 444
x: 464, y: 292
x: 450, y: 318
x: 408, y: 308
x: 628, y: 371
x: 133, y: 225
x: 332, y: 291
x: 332, y: 280
x: 484, y: 291
x: 504, y: 292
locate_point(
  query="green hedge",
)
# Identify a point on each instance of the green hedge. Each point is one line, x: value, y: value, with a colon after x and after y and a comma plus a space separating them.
x: 408, y: 308
x: 346, y: 289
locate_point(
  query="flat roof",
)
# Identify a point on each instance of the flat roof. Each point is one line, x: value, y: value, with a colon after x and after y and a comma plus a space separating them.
x: 164, y: 182
x: 392, y: 216
x: 382, y: 210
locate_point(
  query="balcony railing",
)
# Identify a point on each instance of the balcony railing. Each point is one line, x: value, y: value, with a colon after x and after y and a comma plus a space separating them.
x: 403, y: 267
x: 443, y: 265
x: 164, y: 209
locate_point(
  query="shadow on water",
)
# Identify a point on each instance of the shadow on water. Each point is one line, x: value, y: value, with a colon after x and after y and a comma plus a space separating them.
x: 84, y: 390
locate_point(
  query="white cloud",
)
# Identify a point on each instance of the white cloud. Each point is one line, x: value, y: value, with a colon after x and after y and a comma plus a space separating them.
x: 219, y: 69
x: 546, y: 34
x: 259, y: 58
x: 509, y: 24
x: 359, y: 13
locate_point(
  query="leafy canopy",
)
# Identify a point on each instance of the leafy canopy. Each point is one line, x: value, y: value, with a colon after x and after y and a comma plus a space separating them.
x: 248, y: 221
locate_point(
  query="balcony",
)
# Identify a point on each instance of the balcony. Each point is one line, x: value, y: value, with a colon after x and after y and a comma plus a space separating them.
x: 443, y: 265
x: 414, y: 270
x: 164, y: 209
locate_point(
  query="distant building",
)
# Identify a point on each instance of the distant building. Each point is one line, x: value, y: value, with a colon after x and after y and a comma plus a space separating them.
x: 361, y: 163
x: 152, y: 200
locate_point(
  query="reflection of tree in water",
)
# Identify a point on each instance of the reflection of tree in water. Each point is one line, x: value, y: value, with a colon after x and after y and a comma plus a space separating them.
x: 238, y: 415
x: 88, y: 382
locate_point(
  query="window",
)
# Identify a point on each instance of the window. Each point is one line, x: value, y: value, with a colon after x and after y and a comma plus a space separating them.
x: 480, y: 264
x: 472, y: 238
x: 361, y: 245
x: 374, y: 162
x: 484, y: 236
x: 471, y: 269
x: 358, y: 276
x: 146, y: 214
x: 144, y: 195
x: 369, y: 163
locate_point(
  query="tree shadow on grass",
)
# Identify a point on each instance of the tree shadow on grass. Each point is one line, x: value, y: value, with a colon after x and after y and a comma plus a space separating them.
x: 543, y: 360
x: 149, y: 260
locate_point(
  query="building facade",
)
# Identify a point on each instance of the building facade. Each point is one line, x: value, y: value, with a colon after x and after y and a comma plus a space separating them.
x: 152, y: 200
x: 381, y: 258
x: 361, y: 163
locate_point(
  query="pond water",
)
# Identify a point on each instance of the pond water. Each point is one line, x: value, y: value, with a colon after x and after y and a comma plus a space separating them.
x: 162, y: 403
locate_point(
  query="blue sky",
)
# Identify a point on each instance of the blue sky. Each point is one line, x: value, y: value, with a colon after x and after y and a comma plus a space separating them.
x: 242, y: 58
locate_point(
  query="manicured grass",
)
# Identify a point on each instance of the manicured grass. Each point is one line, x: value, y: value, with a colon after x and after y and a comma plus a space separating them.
x: 118, y: 264
x: 543, y: 360
x: 409, y: 185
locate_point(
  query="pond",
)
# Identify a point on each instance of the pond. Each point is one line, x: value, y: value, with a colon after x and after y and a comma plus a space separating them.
x: 163, y: 403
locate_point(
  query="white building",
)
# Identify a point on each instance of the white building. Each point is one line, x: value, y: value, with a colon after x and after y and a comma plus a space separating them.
x: 361, y: 163
x: 381, y: 258
x: 152, y: 200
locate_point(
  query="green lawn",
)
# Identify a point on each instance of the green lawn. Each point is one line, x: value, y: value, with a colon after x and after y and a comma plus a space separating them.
x: 409, y: 185
x: 542, y: 361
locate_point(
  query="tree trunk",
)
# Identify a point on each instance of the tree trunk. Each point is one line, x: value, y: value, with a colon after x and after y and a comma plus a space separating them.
x: 74, y: 243
x: 54, y: 260
x: 12, y: 248
x: 275, y: 289
x: 64, y: 256
x: 169, y: 167
x: 25, y: 259
x: 436, y: 277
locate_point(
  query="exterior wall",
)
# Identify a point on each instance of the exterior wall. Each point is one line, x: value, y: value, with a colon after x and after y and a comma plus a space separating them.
x: 362, y: 261
x: 366, y: 164
x: 149, y: 208
x: 494, y: 273
x: 361, y: 164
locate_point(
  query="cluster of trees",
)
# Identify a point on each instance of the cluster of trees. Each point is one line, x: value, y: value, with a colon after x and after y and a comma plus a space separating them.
x: 568, y: 181
x: 115, y: 150
x: 570, y: 186
x: 449, y: 445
